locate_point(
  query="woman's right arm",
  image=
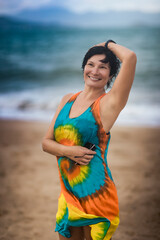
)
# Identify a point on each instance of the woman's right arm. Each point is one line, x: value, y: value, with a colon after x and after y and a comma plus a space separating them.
x: 49, y: 145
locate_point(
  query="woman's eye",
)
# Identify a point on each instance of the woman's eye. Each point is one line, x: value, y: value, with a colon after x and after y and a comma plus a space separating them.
x: 103, y: 67
x: 90, y: 64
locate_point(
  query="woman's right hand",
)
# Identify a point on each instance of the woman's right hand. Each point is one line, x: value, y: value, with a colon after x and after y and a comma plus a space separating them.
x: 81, y: 155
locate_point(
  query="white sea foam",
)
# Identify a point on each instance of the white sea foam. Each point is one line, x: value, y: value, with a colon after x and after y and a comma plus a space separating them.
x: 40, y: 104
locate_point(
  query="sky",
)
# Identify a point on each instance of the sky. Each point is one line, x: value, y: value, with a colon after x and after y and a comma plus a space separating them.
x: 81, y: 6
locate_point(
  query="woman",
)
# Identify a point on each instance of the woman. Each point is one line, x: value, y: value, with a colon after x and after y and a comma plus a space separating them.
x: 88, y: 203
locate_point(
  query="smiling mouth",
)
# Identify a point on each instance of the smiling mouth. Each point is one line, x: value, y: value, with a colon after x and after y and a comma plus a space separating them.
x: 94, y: 79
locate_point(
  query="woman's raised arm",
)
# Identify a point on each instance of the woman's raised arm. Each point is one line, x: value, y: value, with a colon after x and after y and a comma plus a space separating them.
x: 123, y: 82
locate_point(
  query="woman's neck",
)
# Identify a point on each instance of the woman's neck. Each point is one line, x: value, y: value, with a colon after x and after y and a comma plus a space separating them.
x: 90, y: 93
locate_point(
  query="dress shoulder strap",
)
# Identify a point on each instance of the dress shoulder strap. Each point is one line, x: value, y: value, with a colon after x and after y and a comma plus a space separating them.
x: 74, y: 96
x: 96, y: 103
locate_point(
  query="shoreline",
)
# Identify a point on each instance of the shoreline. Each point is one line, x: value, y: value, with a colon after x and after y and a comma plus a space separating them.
x: 116, y: 125
x: 30, y: 182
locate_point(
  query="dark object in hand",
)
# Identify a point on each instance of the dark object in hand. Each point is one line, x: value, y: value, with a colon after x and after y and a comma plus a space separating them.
x: 90, y: 146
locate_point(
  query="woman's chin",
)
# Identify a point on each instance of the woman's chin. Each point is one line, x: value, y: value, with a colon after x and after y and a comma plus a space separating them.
x: 97, y: 84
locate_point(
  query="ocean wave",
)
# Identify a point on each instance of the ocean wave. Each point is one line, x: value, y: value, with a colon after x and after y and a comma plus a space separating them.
x: 41, y: 104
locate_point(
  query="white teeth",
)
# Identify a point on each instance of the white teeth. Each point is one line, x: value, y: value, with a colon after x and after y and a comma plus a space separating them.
x: 94, y: 79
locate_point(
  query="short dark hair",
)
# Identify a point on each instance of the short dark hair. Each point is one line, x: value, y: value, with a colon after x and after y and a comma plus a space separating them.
x: 110, y: 58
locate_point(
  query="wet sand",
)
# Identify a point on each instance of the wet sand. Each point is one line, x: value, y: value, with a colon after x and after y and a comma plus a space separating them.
x: 30, y: 183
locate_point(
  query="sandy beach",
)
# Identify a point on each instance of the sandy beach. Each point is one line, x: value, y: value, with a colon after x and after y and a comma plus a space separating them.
x: 30, y: 183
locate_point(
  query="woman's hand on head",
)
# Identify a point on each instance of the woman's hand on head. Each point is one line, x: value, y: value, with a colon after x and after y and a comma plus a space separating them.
x: 81, y: 155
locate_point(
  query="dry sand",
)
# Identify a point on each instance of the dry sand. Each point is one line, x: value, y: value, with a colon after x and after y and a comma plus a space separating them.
x: 29, y: 182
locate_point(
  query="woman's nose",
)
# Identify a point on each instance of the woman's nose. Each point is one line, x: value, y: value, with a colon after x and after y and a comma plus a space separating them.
x: 95, y: 70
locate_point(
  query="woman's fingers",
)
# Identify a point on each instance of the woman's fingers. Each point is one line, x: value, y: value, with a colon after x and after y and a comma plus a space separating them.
x: 79, y: 151
x: 84, y: 160
x: 89, y: 152
x: 89, y: 157
x: 84, y: 157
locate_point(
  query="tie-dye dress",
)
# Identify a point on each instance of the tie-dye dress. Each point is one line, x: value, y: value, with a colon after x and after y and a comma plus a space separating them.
x: 88, y: 192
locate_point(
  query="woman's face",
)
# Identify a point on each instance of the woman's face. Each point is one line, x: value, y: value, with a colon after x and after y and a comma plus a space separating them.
x: 96, y: 73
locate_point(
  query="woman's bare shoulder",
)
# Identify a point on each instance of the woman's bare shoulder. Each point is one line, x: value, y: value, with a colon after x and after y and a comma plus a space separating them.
x: 65, y: 99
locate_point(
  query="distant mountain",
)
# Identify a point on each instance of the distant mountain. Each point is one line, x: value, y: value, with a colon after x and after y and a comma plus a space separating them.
x: 10, y: 22
x: 17, y: 23
x: 65, y: 17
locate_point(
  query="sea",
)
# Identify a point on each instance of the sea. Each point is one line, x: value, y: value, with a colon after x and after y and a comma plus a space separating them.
x: 39, y: 64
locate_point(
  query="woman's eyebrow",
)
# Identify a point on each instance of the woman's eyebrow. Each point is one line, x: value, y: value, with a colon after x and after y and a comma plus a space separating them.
x: 102, y: 61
